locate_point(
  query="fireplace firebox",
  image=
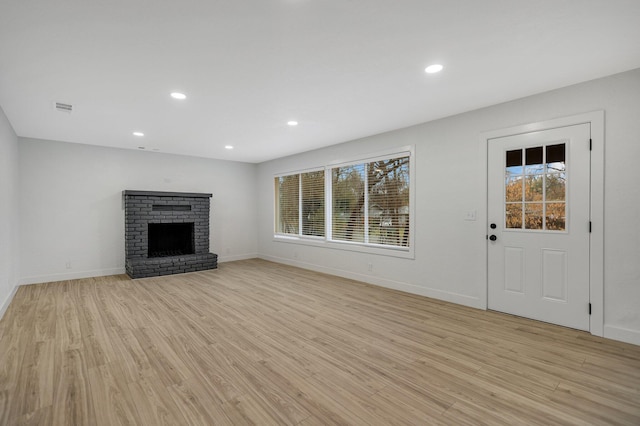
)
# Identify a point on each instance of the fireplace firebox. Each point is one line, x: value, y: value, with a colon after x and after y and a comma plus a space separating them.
x: 170, y: 239
x: 166, y: 233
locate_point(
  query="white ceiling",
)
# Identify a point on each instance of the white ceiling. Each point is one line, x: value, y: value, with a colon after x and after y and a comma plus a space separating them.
x: 344, y: 69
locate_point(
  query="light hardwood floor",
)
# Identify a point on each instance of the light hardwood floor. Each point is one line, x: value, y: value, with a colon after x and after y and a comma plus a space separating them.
x: 261, y: 343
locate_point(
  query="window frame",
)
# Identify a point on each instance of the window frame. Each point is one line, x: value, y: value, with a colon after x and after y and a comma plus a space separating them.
x: 327, y: 241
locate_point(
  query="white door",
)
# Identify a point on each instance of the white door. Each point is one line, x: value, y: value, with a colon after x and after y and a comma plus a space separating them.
x: 538, y: 212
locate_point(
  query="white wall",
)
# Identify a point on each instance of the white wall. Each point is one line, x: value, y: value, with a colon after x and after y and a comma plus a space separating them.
x: 71, y: 205
x: 9, y: 216
x: 449, y: 251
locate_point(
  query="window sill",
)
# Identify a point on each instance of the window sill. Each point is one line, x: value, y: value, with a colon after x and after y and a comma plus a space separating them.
x: 391, y: 251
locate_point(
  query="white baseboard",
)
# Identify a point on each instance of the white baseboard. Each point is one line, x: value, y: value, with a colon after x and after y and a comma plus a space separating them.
x: 459, y: 299
x: 37, y: 279
x: 222, y: 259
x: 622, y: 334
x: 7, y: 301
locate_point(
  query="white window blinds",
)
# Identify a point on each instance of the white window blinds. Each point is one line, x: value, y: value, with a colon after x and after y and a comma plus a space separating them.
x: 371, y: 202
x: 312, y: 184
x: 388, y: 202
x: 288, y: 205
x: 348, y: 191
x: 300, y: 200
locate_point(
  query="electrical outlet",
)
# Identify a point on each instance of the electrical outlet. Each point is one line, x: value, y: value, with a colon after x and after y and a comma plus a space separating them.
x: 295, y: 254
x: 68, y: 265
x: 370, y: 267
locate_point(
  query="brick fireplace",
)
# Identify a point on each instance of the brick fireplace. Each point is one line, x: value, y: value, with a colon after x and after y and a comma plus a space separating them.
x: 166, y: 233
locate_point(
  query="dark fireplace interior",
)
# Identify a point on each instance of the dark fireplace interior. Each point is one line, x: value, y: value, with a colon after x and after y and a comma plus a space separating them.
x: 170, y: 239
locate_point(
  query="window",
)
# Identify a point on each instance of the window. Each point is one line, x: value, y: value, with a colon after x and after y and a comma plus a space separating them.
x: 371, y: 202
x: 535, y: 187
x: 360, y: 205
x: 300, y: 200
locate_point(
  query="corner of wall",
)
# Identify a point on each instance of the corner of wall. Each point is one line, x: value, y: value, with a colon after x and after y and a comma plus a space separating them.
x: 5, y: 305
x: 9, y: 213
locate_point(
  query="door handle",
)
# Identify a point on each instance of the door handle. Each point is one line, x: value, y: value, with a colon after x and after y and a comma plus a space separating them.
x: 493, y: 238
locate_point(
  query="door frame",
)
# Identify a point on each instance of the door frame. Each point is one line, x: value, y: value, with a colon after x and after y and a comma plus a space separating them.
x: 596, y: 204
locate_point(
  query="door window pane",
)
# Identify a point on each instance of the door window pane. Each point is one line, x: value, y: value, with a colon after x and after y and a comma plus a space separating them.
x: 556, y: 157
x: 533, y: 161
x: 533, y: 216
x: 513, y: 216
x: 555, y: 187
x: 513, y: 188
x: 514, y: 158
x: 533, y: 156
x: 555, y: 216
x: 533, y: 188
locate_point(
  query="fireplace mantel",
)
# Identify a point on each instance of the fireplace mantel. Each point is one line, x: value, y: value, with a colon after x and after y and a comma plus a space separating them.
x: 165, y: 194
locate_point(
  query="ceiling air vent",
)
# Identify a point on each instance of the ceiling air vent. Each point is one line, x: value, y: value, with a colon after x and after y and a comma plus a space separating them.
x: 62, y: 107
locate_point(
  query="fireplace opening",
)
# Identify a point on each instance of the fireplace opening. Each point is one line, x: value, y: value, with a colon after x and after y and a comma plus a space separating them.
x: 170, y: 239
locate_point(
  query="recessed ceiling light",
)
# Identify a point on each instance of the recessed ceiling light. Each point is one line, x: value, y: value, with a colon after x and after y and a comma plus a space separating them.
x: 228, y: 147
x: 140, y: 134
x: 432, y: 69
x: 292, y: 123
x: 178, y: 95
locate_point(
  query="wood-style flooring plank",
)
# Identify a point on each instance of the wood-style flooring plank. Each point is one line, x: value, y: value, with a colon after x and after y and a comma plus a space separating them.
x: 256, y: 342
